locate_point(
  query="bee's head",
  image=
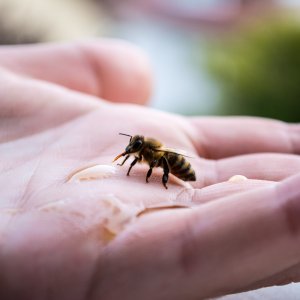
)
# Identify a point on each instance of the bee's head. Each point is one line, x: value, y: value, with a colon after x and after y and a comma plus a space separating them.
x: 136, y: 143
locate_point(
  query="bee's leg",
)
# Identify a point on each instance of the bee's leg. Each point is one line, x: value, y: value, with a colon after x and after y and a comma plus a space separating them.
x: 148, y: 174
x: 132, y: 164
x: 166, y: 172
x: 121, y: 164
x: 152, y: 165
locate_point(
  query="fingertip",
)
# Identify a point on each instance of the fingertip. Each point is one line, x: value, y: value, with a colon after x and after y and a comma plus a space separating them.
x: 123, y: 70
x: 111, y: 69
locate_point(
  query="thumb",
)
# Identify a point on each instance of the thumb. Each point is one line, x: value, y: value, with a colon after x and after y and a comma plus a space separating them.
x: 110, y: 69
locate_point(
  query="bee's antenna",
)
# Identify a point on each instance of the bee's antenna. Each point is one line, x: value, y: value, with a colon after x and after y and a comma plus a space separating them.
x: 126, y: 135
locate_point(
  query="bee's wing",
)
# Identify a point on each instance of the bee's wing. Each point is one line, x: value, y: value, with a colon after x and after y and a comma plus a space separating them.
x: 176, y: 151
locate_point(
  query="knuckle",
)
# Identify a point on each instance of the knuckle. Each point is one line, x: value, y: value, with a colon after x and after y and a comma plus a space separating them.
x: 291, y: 214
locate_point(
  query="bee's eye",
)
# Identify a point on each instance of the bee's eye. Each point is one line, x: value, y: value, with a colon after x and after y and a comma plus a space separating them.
x: 137, y: 144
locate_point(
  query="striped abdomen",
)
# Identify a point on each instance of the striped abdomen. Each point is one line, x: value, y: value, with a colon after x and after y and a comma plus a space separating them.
x: 180, y: 167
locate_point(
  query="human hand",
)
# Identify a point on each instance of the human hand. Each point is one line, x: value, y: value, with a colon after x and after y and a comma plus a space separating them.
x: 237, y: 235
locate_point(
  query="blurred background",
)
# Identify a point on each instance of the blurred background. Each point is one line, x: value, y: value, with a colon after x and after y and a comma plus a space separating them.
x: 210, y: 57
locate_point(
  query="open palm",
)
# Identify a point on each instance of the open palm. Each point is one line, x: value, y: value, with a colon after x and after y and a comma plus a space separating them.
x: 54, y: 239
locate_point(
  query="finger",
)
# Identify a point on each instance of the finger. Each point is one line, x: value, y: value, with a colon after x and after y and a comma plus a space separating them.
x: 224, y: 137
x: 292, y: 274
x: 217, y: 248
x: 265, y: 166
x: 236, y: 184
x: 28, y: 106
x: 110, y: 69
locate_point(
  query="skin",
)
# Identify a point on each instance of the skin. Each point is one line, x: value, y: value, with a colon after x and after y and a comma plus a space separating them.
x: 54, y: 120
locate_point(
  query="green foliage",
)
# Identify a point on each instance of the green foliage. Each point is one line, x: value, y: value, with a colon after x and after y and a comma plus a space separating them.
x: 259, y: 70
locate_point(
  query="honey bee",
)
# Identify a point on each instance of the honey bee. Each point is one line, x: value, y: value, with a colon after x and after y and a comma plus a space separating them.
x: 155, y: 154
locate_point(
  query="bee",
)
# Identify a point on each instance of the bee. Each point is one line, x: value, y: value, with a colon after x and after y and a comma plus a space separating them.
x: 155, y: 154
